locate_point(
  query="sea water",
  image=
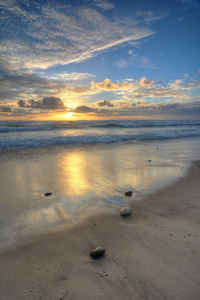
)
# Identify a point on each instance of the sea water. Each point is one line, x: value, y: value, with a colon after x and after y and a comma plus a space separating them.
x: 87, y: 166
x: 30, y: 134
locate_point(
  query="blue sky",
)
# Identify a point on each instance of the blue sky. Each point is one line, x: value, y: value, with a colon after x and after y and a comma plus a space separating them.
x: 92, y: 59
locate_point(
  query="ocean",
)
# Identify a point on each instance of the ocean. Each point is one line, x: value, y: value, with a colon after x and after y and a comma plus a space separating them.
x: 87, y: 166
x: 31, y: 134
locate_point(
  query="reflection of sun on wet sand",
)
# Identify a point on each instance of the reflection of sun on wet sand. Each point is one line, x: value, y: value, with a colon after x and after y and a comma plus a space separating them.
x: 152, y: 254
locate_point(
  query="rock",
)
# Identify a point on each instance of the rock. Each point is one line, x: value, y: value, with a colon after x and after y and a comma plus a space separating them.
x: 125, y: 211
x: 149, y: 160
x: 97, y: 252
x: 48, y: 194
x: 128, y: 193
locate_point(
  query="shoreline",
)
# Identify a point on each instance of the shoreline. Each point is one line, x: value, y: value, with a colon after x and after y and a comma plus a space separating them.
x: 152, y: 254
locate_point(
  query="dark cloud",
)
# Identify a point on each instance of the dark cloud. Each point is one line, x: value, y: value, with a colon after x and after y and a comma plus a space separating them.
x: 14, y: 85
x: 24, y: 80
x: 154, y: 110
x: 5, y: 109
x: 106, y: 103
x: 52, y: 103
x: 85, y: 109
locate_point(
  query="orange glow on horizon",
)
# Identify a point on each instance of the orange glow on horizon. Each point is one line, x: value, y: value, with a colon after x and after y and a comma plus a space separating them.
x: 70, y: 116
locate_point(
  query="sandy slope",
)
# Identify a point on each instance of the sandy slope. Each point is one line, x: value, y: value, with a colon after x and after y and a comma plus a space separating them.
x: 153, y: 254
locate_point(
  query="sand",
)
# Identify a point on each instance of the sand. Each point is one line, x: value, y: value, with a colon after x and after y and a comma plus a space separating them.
x: 152, y: 254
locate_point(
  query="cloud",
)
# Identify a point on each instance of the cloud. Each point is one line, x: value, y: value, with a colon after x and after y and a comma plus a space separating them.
x: 107, y: 85
x: 83, y: 109
x: 106, y: 103
x: 135, y: 60
x: 51, y: 103
x: 150, y: 16
x: 5, y: 108
x: 146, y: 82
x: 179, y: 84
x: 105, y: 5
x: 152, y: 110
x: 26, y: 85
x: 151, y: 90
x: 49, y: 34
x: 122, y: 63
x: 15, y: 86
x: 75, y: 76
x: 125, y: 104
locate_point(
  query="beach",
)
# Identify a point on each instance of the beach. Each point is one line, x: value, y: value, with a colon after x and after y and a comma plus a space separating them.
x: 46, y: 241
x: 152, y: 254
x: 100, y: 150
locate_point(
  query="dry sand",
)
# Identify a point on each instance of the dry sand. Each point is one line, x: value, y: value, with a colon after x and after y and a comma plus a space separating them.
x: 152, y: 254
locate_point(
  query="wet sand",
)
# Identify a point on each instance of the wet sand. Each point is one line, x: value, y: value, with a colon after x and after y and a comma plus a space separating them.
x: 152, y: 254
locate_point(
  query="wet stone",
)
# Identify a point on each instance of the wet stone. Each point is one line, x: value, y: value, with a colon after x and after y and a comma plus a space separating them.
x: 125, y: 211
x: 97, y: 252
x: 48, y: 194
x: 128, y: 193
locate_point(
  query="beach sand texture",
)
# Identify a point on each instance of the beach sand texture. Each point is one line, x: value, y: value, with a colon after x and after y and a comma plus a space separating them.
x: 152, y: 254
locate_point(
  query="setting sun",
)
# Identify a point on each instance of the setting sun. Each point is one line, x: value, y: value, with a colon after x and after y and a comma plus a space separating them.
x: 69, y: 115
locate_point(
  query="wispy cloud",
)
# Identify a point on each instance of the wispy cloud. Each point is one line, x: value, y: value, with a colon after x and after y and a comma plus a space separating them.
x: 103, y: 4
x: 75, y: 76
x: 151, y: 16
x: 137, y: 60
x: 47, y: 34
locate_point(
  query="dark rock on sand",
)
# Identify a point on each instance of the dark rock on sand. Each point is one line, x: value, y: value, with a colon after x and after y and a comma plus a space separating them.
x: 48, y: 194
x: 128, y: 193
x: 125, y: 211
x: 97, y: 252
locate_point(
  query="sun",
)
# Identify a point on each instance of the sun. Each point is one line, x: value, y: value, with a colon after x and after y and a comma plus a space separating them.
x: 69, y: 115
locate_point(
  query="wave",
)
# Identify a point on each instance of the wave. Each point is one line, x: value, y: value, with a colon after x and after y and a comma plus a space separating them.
x: 70, y: 140
x: 146, y: 124
x: 66, y: 125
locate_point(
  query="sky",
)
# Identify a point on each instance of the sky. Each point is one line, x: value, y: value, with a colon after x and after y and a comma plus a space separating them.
x: 99, y: 59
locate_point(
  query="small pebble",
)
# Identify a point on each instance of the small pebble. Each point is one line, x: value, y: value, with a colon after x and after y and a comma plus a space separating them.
x: 48, y: 194
x: 97, y: 252
x: 125, y: 211
x: 128, y: 193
